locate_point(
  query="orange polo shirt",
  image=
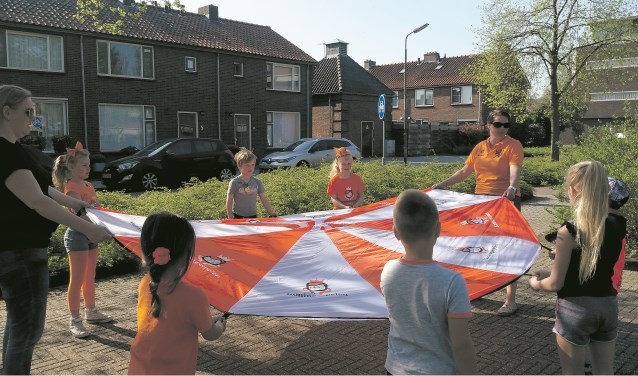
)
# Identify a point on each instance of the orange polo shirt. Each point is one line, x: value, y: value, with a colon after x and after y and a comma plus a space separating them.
x: 491, y: 164
x: 168, y: 344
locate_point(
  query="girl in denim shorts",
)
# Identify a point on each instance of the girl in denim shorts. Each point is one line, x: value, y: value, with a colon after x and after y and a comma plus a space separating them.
x: 586, y: 252
x: 69, y: 173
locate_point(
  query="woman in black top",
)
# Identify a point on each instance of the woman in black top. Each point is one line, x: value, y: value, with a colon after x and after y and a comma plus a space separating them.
x: 30, y: 211
x: 586, y: 307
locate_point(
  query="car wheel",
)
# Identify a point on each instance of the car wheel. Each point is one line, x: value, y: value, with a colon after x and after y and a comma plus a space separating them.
x: 303, y: 164
x: 225, y: 174
x: 149, y: 180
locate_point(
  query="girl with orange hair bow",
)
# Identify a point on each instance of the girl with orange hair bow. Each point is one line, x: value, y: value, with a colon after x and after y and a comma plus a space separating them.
x: 346, y: 189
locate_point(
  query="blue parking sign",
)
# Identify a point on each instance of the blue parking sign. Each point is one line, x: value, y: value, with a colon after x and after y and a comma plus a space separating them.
x: 381, y: 106
x: 37, y: 122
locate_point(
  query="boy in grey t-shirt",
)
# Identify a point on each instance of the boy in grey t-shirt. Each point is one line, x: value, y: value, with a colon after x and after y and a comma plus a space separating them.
x: 428, y: 305
x: 241, y: 198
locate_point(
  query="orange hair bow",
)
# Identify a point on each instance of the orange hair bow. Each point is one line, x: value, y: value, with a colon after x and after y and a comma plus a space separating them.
x: 341, y: 152
x: 71, y: 152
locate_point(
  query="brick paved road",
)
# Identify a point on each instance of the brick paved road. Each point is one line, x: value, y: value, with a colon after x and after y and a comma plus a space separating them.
x: 522, y: 344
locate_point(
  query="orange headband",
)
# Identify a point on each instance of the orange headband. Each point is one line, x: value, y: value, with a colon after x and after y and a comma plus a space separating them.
x: 341, y: 152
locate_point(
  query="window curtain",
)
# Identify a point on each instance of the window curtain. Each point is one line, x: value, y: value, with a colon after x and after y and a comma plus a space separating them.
x: 285, y: 128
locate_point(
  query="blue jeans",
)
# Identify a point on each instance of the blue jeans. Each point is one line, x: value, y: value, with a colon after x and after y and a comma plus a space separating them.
x: 24, y: 280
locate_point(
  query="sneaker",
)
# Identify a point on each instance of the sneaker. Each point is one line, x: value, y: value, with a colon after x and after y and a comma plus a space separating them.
x: 77, y: 328
x: 507, y: 310
x: 94, y: 316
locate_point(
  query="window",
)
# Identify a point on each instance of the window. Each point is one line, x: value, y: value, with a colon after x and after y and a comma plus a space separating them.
x: 186, y: 124
x: 395, y: 100
x: 462, y: 94
x: 282, y: 77
x: 190, y: 64
x: 615, y: 63
x: 239, y: 69
x: 31, y: 51
x: 51, y: 120
x: 423, y: 97
x: 180, y: 148
x: 614, y: 96
x: 126, y: 125
x: 282, y: 128
x: 124, y: 60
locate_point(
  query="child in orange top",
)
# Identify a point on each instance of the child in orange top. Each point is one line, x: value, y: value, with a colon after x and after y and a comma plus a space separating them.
x: 346, y: 189
x: 69, y: 173
x: 170, y: 312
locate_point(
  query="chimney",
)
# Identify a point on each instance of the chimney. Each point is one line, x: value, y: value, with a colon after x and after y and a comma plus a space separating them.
x: 210, y: 11
x: 431, y: 57
x: 369, y: 64
x: 336, y: 47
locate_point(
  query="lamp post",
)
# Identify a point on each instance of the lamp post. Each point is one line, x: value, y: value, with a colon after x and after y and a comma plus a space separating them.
x: 405, y: 94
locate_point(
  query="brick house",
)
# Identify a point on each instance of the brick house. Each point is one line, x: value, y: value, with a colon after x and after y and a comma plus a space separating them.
x: 613, y: 90
x: 440, y: 98
x: 345, y: 101
x: 169, y: 73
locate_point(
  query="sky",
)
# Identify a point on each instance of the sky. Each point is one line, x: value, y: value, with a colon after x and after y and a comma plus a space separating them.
x: 371, y: 27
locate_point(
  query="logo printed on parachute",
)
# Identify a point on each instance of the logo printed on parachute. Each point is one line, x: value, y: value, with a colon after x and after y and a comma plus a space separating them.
x: 215, y: 261
x: 475, y: 221
x: 478, y: 250
x: 317, y: 286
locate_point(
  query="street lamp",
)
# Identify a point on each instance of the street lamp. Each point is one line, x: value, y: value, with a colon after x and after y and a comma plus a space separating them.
x: 405, y: 94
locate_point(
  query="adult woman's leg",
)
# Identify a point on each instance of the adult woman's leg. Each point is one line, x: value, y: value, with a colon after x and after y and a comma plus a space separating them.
x: 24, y: 280
x: 572, y: 357
x: 602, y: 357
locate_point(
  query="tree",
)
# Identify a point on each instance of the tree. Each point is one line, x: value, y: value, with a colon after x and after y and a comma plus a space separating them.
x: 108, y: 15
x: 553, y: 40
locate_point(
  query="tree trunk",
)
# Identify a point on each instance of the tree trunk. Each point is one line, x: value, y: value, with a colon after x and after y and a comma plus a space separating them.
x: 554, y: 98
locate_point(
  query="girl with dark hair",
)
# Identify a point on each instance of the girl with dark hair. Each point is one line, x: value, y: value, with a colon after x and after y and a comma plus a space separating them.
x: 170, y: 312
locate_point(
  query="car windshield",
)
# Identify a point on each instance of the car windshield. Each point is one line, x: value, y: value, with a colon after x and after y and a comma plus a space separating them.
x: 298, y: 145
x: 152, y: 149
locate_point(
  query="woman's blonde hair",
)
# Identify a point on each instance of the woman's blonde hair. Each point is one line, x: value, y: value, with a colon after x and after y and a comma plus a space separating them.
x: 61, y: 173
x: 589, y: 182
x: 12, y: 96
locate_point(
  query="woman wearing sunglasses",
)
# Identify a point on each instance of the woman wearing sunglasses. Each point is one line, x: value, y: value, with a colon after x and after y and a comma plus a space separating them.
x: 497, y: 164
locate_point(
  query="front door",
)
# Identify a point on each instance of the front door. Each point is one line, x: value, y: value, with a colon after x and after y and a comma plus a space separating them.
x: 367, y: 138
x: 242, y: 131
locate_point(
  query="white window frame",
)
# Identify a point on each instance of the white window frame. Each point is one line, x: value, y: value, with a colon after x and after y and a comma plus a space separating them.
x: 271, y: 80
x: 8, y: 33
x: 39, y: 101
x: 239, y: 69
x: 108, y: 63
x: 628, y: 62
x: 464, y: 96
x: 395, y: 100
x: 192, y: 59
x: 425, y: 96
x: 195, y: 127
x: 147, y: 125
x: 270, y: 125
x: 615, y: 96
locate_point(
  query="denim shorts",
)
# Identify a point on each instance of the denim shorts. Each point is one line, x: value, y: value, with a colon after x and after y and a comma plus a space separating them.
x: 581, y: 319
x: 77, y: 241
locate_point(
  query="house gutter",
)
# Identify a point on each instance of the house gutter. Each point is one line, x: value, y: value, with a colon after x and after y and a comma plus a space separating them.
x: 86, y: 127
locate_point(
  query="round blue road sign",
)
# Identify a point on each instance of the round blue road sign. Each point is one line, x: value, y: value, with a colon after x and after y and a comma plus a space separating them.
x: 381, y: 106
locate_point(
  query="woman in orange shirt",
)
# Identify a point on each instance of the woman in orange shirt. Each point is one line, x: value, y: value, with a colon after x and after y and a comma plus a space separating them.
x: 497, y: 163
x: 170, y: 312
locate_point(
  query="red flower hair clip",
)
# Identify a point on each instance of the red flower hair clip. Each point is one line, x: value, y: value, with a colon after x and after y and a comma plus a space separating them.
x: 341, y: 152
x: 161, y: 256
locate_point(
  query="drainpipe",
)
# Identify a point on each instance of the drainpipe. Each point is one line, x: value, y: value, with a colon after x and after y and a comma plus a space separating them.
x: 309, y: 101
x: 86, y: 127
x: 219, y: 103
x: 330, y: 115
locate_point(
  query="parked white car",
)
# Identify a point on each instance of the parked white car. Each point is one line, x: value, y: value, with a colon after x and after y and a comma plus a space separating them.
x: 309, y: 152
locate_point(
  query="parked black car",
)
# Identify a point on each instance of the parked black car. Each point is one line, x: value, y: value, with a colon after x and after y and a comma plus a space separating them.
x: 169, y: 162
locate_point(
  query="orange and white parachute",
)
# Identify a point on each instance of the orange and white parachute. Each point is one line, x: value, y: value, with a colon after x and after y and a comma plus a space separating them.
x: 328, y: 264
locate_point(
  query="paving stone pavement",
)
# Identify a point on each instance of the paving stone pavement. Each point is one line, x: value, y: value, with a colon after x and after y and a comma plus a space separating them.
x: 521, y: 344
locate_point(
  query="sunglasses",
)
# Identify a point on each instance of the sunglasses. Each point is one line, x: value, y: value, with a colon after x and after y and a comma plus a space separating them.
x: 30, y: 112
x: 498, y: 124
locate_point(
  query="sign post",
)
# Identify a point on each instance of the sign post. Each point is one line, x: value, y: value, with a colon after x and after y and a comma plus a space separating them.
x: 381, y: 110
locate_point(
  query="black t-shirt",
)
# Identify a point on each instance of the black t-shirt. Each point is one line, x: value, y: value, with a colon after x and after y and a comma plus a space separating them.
x: 20, y: 226
x: 600, y: 284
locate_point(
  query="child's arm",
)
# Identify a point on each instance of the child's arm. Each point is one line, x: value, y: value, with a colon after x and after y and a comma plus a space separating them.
x: 462, y: 346
x: 359, y: 200
x: 266, y: 203
x: 215, y: 331
x: 229, y: 205
x: 338, y: 203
